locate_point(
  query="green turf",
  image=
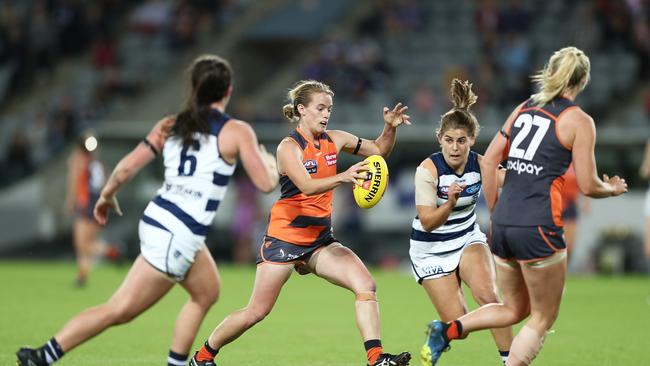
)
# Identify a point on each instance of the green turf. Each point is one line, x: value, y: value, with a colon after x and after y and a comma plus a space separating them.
x: 603, y: 321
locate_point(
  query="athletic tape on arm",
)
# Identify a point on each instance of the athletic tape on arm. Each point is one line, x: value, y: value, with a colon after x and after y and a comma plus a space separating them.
x: 425, y: 187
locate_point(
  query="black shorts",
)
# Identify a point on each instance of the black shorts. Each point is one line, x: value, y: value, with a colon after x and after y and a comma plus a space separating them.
x: 274, y: 250
x: 526, y: 243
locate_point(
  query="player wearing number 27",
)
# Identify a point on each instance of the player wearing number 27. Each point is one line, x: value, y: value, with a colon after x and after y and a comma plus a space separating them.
x: 200, y: 147
x: 542, y: 136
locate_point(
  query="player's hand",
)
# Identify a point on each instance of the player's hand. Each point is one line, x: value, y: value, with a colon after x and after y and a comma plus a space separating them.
x: 396, y: 116
x: 355, y: 172
x: 269, y: 159
x: 103, y: 206
x: 618, y: 184
x: 454, y: 192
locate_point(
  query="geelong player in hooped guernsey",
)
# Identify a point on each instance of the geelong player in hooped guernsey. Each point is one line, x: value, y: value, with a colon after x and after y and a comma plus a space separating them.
x: 540, y: 138
x: 447, y: 246
x: 200, y: 147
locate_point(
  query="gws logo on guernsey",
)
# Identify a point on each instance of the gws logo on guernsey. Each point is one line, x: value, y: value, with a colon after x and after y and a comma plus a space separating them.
x: 522, y: 167
x: 311, y: 166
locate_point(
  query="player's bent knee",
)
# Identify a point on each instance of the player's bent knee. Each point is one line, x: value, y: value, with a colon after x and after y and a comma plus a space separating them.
x: 256, y: 314
x: 485, y: 296
x: 366, y: 296
x: 366, y: 285
x: 208, y: 299
x: 527, y: 345
x: 122, y: 315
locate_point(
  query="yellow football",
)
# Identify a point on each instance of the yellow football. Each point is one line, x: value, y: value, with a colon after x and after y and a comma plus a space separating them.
x: 372, y: 189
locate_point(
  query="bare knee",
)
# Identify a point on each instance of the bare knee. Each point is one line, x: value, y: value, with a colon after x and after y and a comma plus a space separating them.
x: 485, y: 295
x: 255, y: 314
x: 365, y: 285
x: 207, y: 298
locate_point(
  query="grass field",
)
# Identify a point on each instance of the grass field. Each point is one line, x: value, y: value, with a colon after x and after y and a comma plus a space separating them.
x: 603, y: 321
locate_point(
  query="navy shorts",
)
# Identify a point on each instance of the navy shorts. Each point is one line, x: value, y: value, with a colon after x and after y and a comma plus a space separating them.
x: 274, y: 250
x: 526, y: 243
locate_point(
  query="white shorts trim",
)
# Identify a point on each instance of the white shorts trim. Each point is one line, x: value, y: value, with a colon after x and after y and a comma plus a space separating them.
x: 427, y: 262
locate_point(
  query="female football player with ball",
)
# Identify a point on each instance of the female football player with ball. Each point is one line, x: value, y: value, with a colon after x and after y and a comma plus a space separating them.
x: 299, y: 234
x: 447, y: 245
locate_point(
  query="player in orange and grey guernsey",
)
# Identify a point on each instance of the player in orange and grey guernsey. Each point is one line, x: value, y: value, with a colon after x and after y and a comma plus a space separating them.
x: 299, y: 234
x: 542, y: 136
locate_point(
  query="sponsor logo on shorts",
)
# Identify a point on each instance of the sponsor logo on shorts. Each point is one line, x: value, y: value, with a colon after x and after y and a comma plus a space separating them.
x: 433, y: 270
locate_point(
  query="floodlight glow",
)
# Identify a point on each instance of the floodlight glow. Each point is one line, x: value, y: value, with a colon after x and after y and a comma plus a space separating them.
x: 90, y: 143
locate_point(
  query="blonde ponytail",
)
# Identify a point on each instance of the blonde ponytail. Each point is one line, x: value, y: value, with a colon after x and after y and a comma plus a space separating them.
x: 565, y: 70
x: 289, y: 112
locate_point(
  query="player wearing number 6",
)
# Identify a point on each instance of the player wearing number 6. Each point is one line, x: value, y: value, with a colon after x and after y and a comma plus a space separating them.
x: 542, y: 136
x: 200, y: 148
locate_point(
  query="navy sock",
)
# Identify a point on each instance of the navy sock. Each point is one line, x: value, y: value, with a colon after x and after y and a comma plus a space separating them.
x: 504, y: 355
x: 176, y: 359
x: 52, y: 351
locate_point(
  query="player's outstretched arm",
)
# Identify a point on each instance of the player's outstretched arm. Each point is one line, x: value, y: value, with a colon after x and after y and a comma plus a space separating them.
x: 129, y: 166
x: 382, y: 145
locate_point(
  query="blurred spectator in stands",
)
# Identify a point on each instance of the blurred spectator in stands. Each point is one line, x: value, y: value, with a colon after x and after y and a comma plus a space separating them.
x: 514, y: 18
x: 513, y: 57
x: 38, y: 137
x: 586, y: 30
x: 18, y: 162
x: 640, y: 12
x: 424, y: 101
x: 184, y: 26
x: 151, y: 17
x: 42, y: 38
x: 616, y: 23
x: 68, y: 17
x: 486, y: 20
x: 403, y: 16
x: 64, y: 123
x: 103, y: 51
